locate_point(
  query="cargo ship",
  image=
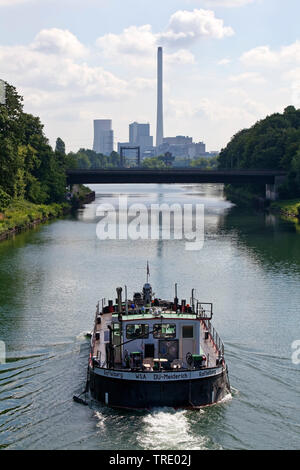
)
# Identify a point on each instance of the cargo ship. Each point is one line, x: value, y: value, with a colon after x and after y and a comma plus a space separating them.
x: 149, y: 352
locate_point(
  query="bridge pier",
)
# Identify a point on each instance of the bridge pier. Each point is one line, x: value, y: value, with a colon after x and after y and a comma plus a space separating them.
x: 272, y: 189
x: 74, y: 189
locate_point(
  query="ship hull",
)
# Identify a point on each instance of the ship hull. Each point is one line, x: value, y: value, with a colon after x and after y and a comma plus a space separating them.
x: 177, y: 390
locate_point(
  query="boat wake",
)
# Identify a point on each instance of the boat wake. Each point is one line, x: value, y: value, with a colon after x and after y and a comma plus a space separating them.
x: 227, y: 397
x: 167, y: 429
x: 83, y: 336
x: 100, y: 420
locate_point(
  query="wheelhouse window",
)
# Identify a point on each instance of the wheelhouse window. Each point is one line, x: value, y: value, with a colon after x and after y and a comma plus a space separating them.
x: 188, y: 331
x: 164, y: 330
x: 137, y: 331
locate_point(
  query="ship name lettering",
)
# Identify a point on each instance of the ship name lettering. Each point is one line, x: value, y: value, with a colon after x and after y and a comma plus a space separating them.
x: 204, y: 373
x: 118, y: 375
x: 140, y: 376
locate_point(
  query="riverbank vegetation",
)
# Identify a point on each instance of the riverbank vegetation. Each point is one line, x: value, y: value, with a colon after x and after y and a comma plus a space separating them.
x: 272, y: 143
x: 288, y: 208
x: 29, y: 168
x: 32, y: 174
x: 21, y: 214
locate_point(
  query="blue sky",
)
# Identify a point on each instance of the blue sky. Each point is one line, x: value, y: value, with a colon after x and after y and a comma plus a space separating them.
x: 227, y: 63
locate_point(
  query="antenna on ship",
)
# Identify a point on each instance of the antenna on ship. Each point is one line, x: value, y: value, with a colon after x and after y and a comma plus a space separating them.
x: 148, y: 272
x: 176, y: 297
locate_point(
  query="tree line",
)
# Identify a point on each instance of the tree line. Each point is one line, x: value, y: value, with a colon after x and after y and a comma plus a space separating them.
x: 29, y: 168
x: 272, y: 143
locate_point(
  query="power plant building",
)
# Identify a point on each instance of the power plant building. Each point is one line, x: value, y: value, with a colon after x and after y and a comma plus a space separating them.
x: 182, y: 146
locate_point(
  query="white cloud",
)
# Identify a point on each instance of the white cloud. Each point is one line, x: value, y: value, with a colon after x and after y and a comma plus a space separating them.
x: 280, y: 66
x: 186, y: 27
x: 136, y: 45
x: 224, y: 62
x: 48, y: 64
x: 264, y: 56
x: 59, y: 42
x: 215, y: 111
x: 248, y: 77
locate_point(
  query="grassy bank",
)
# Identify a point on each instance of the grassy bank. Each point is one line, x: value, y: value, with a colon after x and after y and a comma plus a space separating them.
x: 21, y: 214
x: 288, y: 208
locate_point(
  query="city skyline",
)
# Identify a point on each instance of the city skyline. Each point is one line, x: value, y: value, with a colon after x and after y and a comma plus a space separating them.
x: 226, y: 64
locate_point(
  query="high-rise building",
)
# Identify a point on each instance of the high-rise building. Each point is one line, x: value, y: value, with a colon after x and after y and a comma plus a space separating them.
x: 160, y: 125
x: 103, y: 136
x: 136, y: 131
x: 139, y: 135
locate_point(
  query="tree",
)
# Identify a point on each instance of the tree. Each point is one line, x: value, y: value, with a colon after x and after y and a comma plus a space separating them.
x: 60, y: 146
x: 153, y: 162
x: 28, y: 166
x: 5, y: 200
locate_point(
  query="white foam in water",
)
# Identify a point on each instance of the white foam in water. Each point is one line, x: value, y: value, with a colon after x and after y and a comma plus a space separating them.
x: 83, y: 335
x: 227, y: 398
x: 169, y: 429
x: 101, y: 420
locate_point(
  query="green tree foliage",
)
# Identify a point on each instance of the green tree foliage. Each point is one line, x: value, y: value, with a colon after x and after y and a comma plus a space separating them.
x: 272, y: 143
x: 154, y: 162
x: 205, y: 163
x: 60, y: 146
x: 5, y: 200
x: 88, y: 159
x: 28, y: 166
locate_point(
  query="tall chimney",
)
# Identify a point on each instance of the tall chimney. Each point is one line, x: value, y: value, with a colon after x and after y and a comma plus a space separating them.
x: 160, y: 125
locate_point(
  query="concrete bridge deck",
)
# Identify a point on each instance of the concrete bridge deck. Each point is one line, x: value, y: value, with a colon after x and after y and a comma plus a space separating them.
x: 174, y: 175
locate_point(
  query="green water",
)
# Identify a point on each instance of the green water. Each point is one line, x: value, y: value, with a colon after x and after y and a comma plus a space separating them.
x: 52, y: 277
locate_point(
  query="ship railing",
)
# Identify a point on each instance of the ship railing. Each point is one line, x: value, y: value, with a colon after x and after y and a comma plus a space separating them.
x: 204, y: 310
x: 214, y: 336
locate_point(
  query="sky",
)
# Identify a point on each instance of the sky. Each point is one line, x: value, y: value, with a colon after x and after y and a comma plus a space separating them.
x: 227, y: 64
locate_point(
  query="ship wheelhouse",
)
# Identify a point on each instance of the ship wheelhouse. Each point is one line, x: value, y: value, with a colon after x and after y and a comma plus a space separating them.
x: 150, y: 334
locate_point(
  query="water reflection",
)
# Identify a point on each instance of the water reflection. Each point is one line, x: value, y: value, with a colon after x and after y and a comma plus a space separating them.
x: 274, y: 241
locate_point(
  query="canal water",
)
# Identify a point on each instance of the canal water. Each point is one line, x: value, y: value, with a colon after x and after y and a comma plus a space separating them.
x: 52, y: 277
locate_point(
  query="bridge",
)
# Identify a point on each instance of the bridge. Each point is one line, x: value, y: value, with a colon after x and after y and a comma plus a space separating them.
x: 271, y: 178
